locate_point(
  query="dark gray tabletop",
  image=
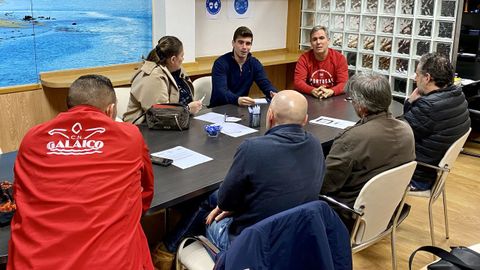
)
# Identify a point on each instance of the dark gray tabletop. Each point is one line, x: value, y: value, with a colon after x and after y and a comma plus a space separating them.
x: 6, y: 166
x: 6, y: 173
x: 174, y: 185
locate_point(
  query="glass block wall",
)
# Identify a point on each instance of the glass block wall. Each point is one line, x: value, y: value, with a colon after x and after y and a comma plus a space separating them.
x: 386, y: 36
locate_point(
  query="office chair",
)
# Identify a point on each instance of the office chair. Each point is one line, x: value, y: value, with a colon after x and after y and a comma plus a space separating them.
x: 438, y: 187
x: 378, y: 207
x: 123, y: 97
x: 203, y: 87
x: 309, y: 236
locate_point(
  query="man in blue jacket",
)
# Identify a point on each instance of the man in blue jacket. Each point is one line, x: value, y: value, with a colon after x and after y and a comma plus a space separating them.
x: 234, y: 73
x: 271, y: 173
x: 438, y: 114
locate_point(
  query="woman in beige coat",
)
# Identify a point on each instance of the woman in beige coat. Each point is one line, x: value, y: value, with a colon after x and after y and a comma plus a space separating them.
x: 161, y: 80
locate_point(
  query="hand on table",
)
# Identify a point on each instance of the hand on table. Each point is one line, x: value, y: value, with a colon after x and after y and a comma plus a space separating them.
x: 195, y: 106
x: 325, y: 92
x: 246, y: 101
x: 316, y: 92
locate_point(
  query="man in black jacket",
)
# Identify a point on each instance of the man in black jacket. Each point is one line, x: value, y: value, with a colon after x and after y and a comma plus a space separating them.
x: 438, y: 114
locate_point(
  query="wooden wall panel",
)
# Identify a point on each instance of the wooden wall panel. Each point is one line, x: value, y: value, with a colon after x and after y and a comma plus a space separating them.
x: 293, y: 24
x: 277, y: 75
x: 23, y: 110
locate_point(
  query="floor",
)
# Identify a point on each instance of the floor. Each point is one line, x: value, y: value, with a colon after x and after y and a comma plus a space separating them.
x: 463, y: 199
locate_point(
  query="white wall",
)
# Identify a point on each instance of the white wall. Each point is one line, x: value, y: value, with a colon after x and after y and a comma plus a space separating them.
x: 175, y: 18
x: 268, y: 22
x: 201, y: 36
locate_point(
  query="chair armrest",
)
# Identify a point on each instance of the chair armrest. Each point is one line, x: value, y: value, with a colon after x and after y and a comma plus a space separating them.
x: 433, y: 167
x: 343, y: 206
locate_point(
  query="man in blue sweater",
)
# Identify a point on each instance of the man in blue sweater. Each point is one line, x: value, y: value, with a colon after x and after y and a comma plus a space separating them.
x: 271, y: 173
x: 234, y: 73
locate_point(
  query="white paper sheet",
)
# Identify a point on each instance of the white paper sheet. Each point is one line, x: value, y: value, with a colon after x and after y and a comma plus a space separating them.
x: 236, y: 130
x: 213, y: 117
x: 467, y: 81
x: 260, y: 101
x: 332, y: 122
x: 182, y: 157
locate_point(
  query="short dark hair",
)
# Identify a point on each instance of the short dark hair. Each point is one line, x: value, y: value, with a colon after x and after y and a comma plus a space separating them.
x: 242, y: 31
x: 370, y: 91
x: 439, y: 68
x: 93, y: 90
x: 167, y: 47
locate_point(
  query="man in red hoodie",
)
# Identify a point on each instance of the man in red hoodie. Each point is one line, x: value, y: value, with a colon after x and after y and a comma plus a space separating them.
x: 321, y: 72
x: 82, y: 182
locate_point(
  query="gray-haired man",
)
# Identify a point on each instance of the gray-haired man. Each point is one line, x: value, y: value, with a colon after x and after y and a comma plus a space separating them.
x: 376, y: 143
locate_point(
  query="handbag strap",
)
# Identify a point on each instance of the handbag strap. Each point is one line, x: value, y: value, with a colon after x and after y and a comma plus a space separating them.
x: 444, y: 255
x: 136, y: 119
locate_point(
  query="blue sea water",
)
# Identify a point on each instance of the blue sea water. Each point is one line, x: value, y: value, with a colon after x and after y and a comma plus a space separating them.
x: 71, y: 34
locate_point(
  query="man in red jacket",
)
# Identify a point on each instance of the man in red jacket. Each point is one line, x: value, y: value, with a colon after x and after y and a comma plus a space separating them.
x: 321, y: 72
x: 82, y: 182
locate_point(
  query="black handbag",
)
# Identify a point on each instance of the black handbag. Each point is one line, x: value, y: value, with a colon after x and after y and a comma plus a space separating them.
x: 169, y: 116
x: 459, y: 258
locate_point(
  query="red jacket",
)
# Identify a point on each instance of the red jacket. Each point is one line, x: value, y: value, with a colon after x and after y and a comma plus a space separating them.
x: 81, y: 183
x: 311, y: 73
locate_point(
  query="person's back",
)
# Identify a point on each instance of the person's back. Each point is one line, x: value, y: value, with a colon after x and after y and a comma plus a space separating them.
x: 268, y: 175
x: 438, y: 114
x: 377, y: 142
x: 281, y: 170
x: 275, y: 172
x: 80, y: 180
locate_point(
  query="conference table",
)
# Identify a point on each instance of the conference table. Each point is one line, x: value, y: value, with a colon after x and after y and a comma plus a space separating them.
x: 174, y: 185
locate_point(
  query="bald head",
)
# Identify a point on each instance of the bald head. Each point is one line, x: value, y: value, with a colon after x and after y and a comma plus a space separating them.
x: 287, y: 107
